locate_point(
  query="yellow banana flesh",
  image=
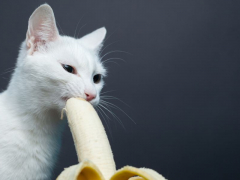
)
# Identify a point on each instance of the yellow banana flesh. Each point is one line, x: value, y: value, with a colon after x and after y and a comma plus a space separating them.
x: 93, y: 149
x: 85, y: 170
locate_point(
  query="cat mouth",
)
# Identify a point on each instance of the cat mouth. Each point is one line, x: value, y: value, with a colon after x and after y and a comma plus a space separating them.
x: 66, y: 98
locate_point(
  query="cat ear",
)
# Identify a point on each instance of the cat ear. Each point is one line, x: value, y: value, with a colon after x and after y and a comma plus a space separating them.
x: 41, y: 28
x: 94, y: 39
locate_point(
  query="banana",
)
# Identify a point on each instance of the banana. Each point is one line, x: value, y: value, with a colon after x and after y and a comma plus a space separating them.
x: 133, y: 173
x: 85, y: 170
x: 90, y: 139
x: 93, y: 148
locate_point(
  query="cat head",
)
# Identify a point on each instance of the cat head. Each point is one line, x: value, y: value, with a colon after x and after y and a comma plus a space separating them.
x: 57, y: 67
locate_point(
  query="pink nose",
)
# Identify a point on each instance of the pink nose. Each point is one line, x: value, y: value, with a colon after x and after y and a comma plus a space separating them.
x: 90, y: 96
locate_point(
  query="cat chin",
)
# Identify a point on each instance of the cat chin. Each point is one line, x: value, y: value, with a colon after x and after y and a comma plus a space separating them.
x: 94, y: 102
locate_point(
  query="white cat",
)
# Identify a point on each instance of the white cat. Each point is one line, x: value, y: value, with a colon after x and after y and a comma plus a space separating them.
x: 50, y: 69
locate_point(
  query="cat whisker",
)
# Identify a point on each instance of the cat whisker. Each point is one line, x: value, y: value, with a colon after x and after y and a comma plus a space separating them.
x: 113, y: 114
x: 107, y: 92
x: 112, y: 62
x: 114, y: 52
x: 111, y: 34
x: 8, y: 70
x: 103, y: 113
x: 77, y: 25
x: 107, y: 46
x: 116, y: 107
x: 107, y: 60
x: 81, y: 29
x: 112, y: 97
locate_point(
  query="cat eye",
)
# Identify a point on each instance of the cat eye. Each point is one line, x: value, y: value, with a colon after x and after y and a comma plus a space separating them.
x: 68, y: 68
x: 97, y: 78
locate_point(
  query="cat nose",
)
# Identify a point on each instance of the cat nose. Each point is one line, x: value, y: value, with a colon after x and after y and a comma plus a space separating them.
x: 89, y: 96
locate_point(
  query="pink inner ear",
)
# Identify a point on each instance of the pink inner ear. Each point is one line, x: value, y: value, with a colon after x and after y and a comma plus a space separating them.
x: 41, y: 29
x: 39, y: 36
x: 33, y: 44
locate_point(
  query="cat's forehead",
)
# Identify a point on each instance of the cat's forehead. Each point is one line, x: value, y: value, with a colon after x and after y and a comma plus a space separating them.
x: 70, y: 48
x: 70, y: 51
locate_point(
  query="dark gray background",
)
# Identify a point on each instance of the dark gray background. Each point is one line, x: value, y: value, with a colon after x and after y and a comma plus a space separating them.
x: 181, y: 81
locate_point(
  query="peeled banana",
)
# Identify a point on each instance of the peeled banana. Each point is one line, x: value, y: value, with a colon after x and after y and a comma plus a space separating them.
x: 93, y: 148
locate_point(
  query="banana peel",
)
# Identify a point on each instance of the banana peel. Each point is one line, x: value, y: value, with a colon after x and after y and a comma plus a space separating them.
x: 94, y: 150
x: 87, y: 170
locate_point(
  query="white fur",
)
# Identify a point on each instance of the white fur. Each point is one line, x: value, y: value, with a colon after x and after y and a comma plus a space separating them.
x: 30, y: 125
